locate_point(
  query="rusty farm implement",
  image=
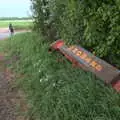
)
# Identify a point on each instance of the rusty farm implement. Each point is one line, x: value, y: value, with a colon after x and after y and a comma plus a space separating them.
x: 89, y: 62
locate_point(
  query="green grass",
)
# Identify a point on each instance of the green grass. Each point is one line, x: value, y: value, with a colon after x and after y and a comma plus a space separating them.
x: 57, y: 91
x: 17, y: 24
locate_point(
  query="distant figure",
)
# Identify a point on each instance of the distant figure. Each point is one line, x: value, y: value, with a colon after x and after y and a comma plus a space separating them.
x: 11, y: 29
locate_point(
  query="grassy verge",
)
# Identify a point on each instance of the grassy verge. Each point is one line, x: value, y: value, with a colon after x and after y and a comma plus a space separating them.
x: 55, y: 90
x: 17, y: 24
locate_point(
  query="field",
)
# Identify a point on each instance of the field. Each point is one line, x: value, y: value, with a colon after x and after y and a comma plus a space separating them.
x: 56, y: 90
x: 17, y: 24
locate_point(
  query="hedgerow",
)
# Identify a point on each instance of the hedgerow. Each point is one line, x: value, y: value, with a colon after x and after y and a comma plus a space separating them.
x: 93, y: 23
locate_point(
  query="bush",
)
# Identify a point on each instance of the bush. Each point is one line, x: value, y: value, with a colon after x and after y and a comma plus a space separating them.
x: 94, y: 24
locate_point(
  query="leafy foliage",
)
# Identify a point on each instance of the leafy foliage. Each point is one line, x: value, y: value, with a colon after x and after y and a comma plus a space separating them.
x: 94, y: 24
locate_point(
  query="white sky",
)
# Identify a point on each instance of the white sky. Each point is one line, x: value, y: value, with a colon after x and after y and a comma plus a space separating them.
x: 14, y: 8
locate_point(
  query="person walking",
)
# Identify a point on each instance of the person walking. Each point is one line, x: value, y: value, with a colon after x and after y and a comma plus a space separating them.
x: 11, y: 29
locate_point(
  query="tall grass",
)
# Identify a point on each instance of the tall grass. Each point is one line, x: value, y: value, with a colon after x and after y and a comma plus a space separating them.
x: 55, y: 90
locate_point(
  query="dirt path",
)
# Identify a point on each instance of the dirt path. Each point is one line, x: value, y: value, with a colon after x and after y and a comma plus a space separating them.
x: 10, y: 97
x: 4, y: 32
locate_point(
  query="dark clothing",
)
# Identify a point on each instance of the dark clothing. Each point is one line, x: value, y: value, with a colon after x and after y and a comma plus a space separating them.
x: 11, y: 28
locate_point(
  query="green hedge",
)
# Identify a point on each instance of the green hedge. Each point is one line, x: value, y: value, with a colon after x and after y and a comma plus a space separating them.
x: 93, y: 23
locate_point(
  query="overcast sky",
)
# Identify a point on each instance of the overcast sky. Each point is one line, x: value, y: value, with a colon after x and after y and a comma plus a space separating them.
x: 14, y: 8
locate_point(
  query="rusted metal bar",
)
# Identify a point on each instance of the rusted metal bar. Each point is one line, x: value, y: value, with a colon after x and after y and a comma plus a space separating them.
x: 82, y: 58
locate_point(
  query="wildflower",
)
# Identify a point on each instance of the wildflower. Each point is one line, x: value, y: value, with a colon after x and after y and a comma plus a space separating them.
x: 39, y: 70
x: 54, y: 84
x: 41, y: 80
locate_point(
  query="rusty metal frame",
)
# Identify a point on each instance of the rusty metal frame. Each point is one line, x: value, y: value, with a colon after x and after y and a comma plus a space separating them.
x: 82, y: 58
